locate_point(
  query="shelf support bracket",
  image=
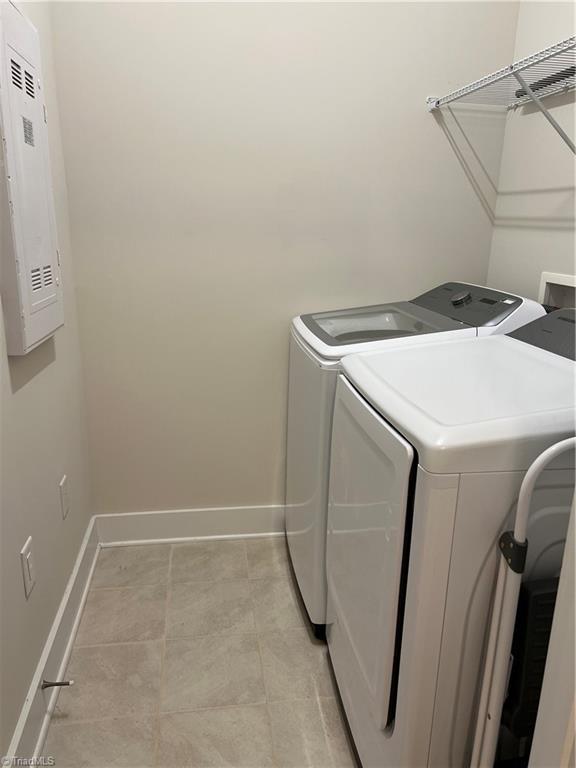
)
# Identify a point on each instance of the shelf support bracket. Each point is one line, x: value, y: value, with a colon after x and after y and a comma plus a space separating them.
x: 544, y: 111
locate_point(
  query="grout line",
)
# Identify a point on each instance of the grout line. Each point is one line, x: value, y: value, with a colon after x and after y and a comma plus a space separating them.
x: 223, y: 633
x: 129, y: 586
x: 192, y: 582
x: 241, y: 706
x: 89, y: 721
x: 261, y: 658
x: 325, y: 730
x: 246, y: 560
x: 151, y: 715
x: 116, y: 643
x: 213, y: 709
x: 254, y: 616
x: 170, y: 638
x: 163, y: 657
x: 275, y: 755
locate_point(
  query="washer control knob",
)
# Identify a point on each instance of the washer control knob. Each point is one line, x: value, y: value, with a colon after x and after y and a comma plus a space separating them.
x: 461, y: 298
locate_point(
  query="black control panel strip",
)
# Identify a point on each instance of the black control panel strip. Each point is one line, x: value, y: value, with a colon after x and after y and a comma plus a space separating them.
x: 555, y: 332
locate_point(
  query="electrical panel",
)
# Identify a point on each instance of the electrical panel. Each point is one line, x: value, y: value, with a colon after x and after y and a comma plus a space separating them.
x: 30, y: 283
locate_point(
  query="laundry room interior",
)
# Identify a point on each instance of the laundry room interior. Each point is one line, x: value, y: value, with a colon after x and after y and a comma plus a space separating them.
x: 287, y: 363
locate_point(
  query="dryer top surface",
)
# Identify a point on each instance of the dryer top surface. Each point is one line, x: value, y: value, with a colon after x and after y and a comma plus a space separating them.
x: 471, y: 405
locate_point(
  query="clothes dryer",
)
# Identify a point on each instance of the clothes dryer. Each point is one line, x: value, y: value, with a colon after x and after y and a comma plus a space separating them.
x: 430, y: 445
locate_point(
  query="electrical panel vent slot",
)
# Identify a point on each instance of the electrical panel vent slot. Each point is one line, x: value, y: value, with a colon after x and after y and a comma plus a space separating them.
x: 47, y: 275
x: 28, y: 131
x: 36, y: 276
x: 29, y: 84
x: 16, y: 74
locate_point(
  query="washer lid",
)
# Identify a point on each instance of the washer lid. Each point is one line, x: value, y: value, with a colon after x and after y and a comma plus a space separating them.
x: 478, y: 405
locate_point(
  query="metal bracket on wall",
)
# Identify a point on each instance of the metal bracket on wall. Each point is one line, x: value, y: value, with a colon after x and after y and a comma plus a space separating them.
x: 548, y: 72
x: 545, y: 112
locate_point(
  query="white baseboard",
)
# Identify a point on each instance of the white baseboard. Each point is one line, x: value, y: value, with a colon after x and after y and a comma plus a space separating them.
x: 121, y: 530
x: 186, y: 524
x: 32, y: 725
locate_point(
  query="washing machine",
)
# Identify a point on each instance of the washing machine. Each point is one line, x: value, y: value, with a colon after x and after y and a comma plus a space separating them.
x: 430, y: 445
x: 318, y: 342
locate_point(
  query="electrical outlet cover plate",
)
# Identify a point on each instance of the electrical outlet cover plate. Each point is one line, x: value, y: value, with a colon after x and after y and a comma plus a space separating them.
x: 556, y: 289
x: 28, y: 570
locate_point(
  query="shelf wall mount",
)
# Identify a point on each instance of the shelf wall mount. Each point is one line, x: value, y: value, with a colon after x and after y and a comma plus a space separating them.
x: 528, y: 81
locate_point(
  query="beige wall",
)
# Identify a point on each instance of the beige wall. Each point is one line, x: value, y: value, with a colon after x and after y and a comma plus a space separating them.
x: 534, y: 227
x: 42, y: 437
x: 230, y: 166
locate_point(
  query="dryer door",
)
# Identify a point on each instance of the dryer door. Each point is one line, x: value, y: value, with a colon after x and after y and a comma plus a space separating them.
x: 369, y: 486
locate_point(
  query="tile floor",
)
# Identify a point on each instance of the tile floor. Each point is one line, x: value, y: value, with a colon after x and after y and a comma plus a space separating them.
x: 197, y: 655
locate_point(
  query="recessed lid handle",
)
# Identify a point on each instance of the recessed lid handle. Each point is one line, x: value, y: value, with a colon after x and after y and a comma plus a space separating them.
x: 461, y: 298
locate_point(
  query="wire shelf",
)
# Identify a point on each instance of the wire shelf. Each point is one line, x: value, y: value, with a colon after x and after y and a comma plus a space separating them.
x: 550, y: 71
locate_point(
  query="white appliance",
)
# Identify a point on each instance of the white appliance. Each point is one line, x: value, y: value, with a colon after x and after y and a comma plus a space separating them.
x: 31, y: 291
x: 430, y: 445
x: 317, y: 344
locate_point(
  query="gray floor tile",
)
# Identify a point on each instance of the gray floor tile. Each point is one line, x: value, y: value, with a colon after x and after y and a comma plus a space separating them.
x: 276, y: 604
x: 298, y: 735
x: 211, y: 685
x: 295, y: 665
x: 209, y: 561
x: 111, y: 681
x: 212, y: 671
x: 203, y: 608
x: 132, y: 566
x: 123, y: 615
x: 122, y: 743
x: 268, y: 558
x: 238, y: 737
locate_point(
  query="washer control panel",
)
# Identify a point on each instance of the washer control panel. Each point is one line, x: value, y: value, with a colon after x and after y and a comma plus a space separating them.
x: 470, y: 304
